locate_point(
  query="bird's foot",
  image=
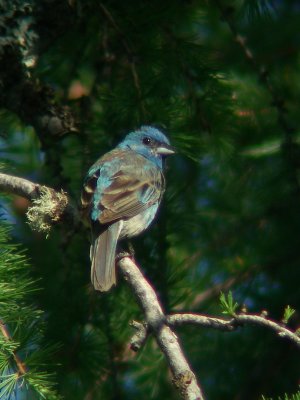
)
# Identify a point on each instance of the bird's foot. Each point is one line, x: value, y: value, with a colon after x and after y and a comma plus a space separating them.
x: 122, y: 254
x: 128, y: 253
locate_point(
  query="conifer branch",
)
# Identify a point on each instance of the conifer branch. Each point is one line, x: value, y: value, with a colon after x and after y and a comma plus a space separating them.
x: 20, y: 365
x: 129, y: 53
x: 264, y: 75
x: 183, y: 377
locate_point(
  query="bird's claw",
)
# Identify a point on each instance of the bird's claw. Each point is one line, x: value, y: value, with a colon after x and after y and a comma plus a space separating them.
x: 122, y: 254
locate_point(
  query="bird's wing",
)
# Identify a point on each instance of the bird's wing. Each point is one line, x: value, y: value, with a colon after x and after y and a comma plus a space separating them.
x: 121, y: 186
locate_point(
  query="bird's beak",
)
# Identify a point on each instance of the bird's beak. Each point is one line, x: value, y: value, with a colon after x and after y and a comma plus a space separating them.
x: 165, y: 150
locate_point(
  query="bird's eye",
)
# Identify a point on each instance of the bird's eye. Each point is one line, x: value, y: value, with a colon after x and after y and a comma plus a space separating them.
x: 146, y: 140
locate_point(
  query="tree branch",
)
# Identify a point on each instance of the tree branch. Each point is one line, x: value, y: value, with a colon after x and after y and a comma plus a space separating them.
x: 233, y: 324
x: 19, y: 186
x: 183, y: 377
x: 49, y: 206
x: 139, y: 338
x: 156, y: 321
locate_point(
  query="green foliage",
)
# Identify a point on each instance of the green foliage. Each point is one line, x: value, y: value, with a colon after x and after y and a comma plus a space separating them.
x: 228, y: 305
x: 295, y: 396
x: 23, y: 354
x: 288, y: 313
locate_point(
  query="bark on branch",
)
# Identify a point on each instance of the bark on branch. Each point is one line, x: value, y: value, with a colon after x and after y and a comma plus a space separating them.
x: 21, y: 187
x: 183, y: 377
x: 233, y: 323
x: 49, y: 206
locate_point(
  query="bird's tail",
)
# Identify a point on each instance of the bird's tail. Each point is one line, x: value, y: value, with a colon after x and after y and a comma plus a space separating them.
x: 102, y: 254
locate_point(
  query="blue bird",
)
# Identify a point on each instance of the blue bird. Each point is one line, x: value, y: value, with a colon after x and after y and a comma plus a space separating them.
x: 121, y: 195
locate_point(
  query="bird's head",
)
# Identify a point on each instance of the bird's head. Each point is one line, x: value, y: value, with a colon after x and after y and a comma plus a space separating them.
x: 150, y: 143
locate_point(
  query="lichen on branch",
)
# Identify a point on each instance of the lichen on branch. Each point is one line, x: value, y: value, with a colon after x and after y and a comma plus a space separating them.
x: 46, y: 209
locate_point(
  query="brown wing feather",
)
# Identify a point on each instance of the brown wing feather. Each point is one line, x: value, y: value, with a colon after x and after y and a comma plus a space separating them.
x: 121, y: 199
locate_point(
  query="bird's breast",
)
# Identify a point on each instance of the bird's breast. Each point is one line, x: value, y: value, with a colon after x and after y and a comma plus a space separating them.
x: 137, y: 224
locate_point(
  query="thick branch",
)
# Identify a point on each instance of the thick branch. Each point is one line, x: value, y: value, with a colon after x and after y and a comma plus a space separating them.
x: 183, y: 377
x: 21, y: 187
x: 232, y: 324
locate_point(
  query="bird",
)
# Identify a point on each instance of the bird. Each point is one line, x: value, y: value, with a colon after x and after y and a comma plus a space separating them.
x: 121, y: 195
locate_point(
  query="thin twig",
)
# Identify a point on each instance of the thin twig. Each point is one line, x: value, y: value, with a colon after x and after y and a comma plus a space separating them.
x: 139, y: 338
x: 267, y: 323
x: 200, y: 320
x: 232, y: 324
